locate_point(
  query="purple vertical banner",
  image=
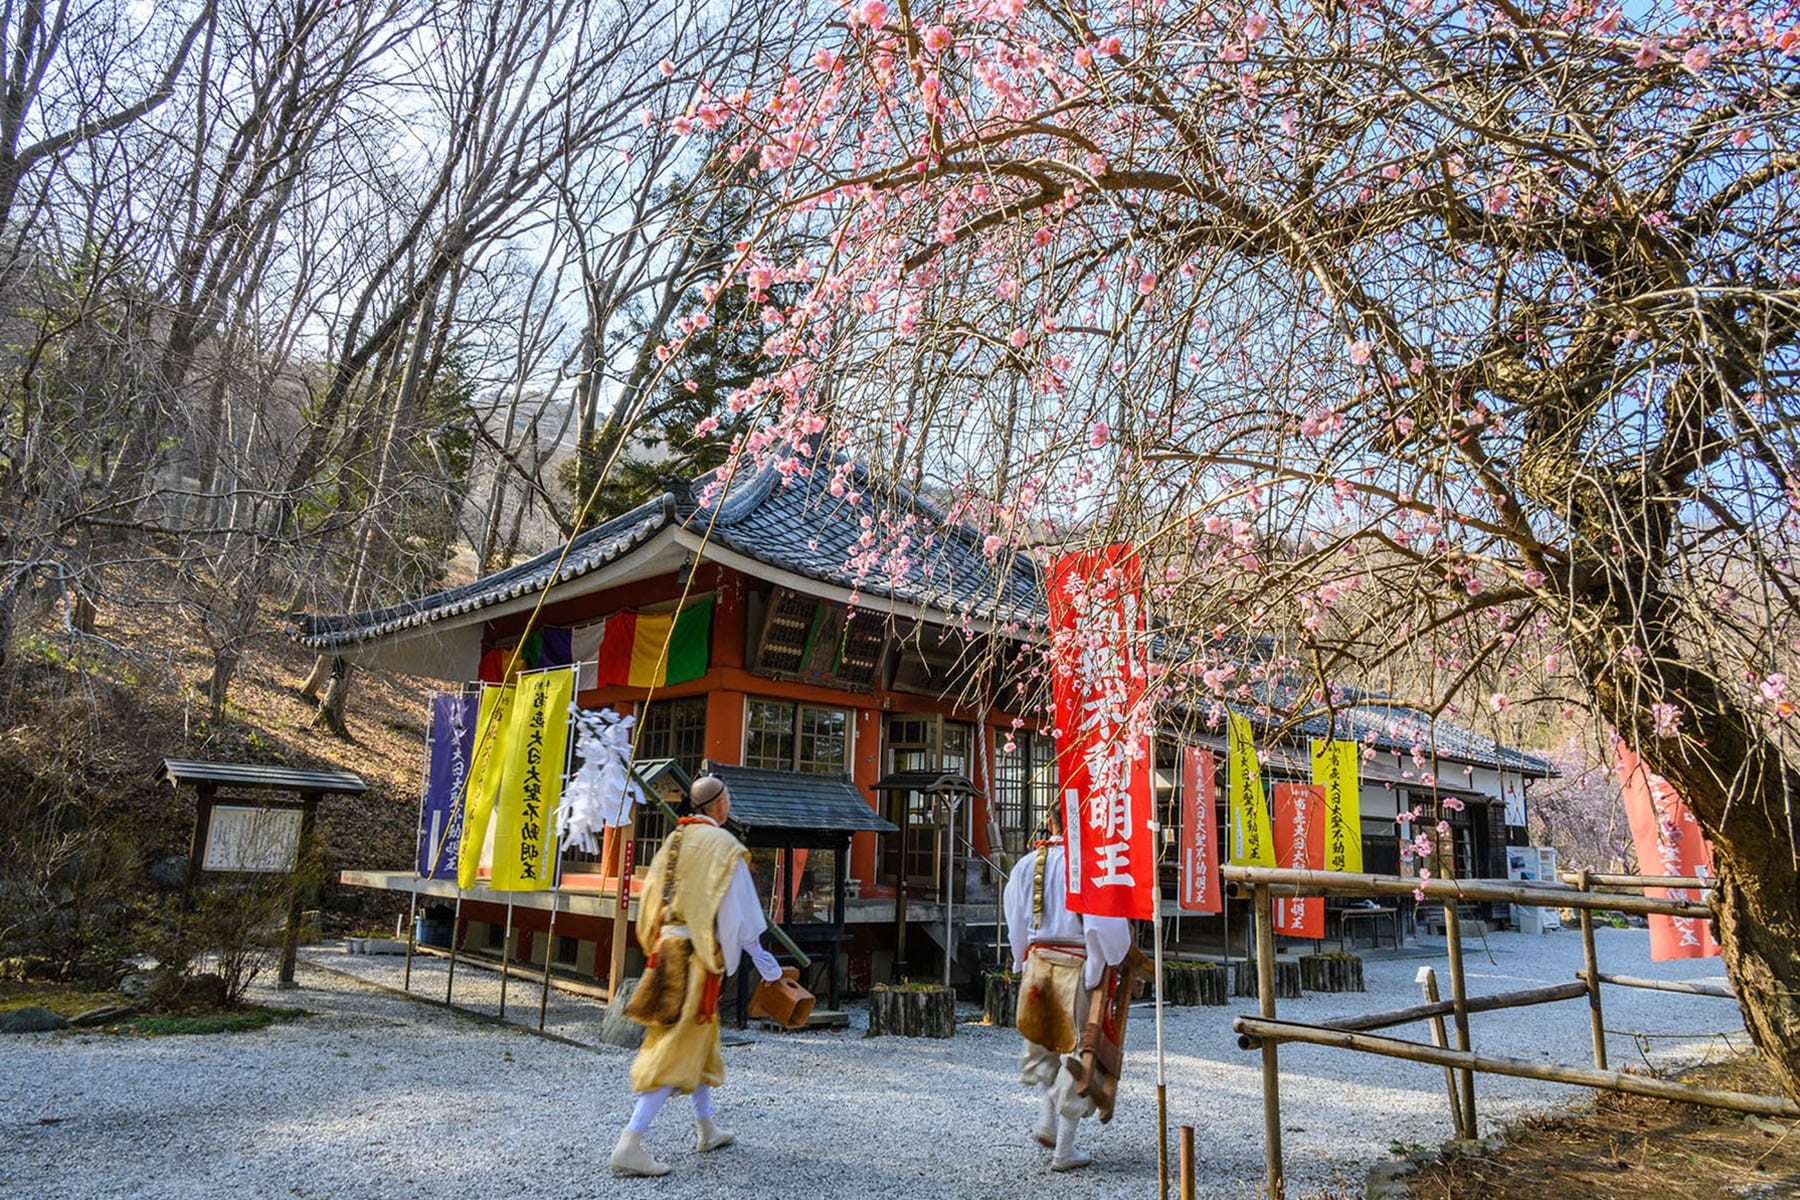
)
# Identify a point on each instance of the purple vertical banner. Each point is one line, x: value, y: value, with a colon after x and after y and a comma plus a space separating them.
x: 452, y: 744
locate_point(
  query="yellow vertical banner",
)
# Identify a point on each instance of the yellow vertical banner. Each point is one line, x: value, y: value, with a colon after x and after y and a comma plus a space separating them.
x: 1334, y: 768
x: 537, y: 754
x: 484, y: 780
x: 1251, y: 845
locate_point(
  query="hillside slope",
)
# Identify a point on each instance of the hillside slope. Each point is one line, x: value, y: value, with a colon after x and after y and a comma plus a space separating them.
x: 87, y: 720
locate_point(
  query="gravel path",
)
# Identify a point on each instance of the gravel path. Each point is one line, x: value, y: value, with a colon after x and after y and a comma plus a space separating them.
x: 377, y: 1095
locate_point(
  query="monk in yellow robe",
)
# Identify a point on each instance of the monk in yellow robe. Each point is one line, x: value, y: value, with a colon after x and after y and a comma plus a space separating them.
x: 698, y: 899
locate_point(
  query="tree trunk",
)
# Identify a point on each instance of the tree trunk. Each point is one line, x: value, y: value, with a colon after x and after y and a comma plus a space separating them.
x: 315, y: 679
x: 331, y: 708
x: 1000, y: 999
x: 1331, y: 973
x: 923, y: 1011
x: 218, y: 684
x: 1733, y: 778
x: 1186, y: 984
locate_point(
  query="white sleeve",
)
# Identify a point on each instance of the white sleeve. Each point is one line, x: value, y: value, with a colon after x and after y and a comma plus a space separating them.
x: 1018, y: 907
x: 740, y: 926
x: 1108, y: 940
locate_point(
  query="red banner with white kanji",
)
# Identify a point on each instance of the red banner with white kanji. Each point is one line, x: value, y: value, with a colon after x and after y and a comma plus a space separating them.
x: 1103, y: 745
x: 1669, y: 842
x: 1199, y: 874
x: 1300, y: 843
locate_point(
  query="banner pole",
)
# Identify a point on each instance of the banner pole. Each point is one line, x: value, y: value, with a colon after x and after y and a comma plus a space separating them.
x: 1162, y: 1079
x: 506, y: 954
x: 555, y: 850
x: 549, y: 949
x: 455, y: 928
x: 412, y: 904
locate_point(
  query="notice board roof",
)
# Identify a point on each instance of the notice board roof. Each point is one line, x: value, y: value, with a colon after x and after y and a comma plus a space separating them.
x: 180, y: 771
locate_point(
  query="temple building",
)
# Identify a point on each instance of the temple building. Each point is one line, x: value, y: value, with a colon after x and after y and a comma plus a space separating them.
x: 844, y: 657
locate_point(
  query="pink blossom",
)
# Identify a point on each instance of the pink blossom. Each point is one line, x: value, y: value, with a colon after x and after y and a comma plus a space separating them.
x: 1498, y: 702
x: 1017, y: 339
x: 1667, y: 718
x: 1147, y: 283
x: 1096, y: 165
x: 990, y: 545
x: 667, y: 67
x: 1360, y: 351
x: 1084, y: 57
x: 1098, y: 437
x: 1255, y: 25
x: 1452, y: 803
x: 825, y: 60
x: 1608, y: 22
x: 937, y: 38
x: 705, y: 426
x: 1697, y: 59
x: 1111, y: 46
x: 873, y: 12
x: 1648, y: 54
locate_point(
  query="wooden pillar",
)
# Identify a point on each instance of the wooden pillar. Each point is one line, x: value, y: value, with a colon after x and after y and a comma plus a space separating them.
x: 1459, y: 998
x: 1596, y: 1017
x: 290, y: 941
x: 1271, y: 1067
x: 1440, y: 1038
x: 619, y: 862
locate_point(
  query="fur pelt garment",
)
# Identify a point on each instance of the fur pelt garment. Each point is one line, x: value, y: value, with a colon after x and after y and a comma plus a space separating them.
x: 1046, y: 1012
x: 663, y: 988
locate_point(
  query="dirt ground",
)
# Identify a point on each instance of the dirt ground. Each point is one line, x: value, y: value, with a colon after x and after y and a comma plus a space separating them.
x: 1636, y: 1148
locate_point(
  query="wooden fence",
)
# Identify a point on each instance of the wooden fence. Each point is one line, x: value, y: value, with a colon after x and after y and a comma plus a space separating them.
x: 1265, y: 1032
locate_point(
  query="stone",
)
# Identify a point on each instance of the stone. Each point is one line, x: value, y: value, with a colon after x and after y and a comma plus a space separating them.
x: 1387, y: 1181
x: 106, y: 1014
x: 31, y: 1019
x: 152, y: 987
x: 170, y: 874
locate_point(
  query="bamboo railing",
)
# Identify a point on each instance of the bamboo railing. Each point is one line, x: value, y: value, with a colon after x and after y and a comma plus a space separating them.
x: 1265, y: 1032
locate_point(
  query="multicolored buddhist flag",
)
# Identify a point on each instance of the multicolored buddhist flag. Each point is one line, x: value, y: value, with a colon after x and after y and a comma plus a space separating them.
x: 1103, y: 769
x: 451, y: 743
x: 1300, y: 843
x: 1198, y: 889
x: 1669, y: 842
x: 655, y: 649
x: 537, y: 759
x: 1334, y: 768
x: 1251, y: 845
x: 485, y: 767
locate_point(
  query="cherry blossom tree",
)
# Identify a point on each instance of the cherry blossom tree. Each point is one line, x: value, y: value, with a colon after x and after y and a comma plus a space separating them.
x: 1415, y: 344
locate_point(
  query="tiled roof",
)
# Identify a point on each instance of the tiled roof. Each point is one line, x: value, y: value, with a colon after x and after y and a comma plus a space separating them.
x: 591, y: 550
x: 798, y: 525
x: 789, y: 800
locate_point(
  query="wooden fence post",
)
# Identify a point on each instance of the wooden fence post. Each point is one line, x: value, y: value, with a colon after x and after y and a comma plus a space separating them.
x: 1596, y: 1018
x: 1428, y: 985
x: 1271, y: 1067
x: 1459, y: 996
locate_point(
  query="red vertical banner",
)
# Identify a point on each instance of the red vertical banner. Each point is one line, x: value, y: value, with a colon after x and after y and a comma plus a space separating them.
x: 1300, y: 843
x: 1669, y: 842
x: 1103, y: 764
x: 1199, y: 874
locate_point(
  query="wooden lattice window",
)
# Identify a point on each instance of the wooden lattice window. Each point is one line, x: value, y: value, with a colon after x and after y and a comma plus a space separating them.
x: 820, y: 641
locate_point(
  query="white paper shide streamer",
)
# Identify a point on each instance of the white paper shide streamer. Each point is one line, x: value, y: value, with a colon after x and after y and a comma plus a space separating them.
x: 603, y: 789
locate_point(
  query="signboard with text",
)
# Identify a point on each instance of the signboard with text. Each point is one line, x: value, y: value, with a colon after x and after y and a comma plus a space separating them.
x: 1103, y: 745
